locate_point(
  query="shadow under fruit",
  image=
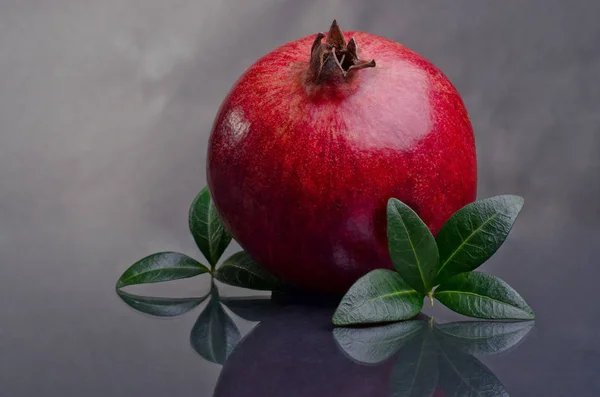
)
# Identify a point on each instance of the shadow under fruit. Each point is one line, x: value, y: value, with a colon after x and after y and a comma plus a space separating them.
x: 293, y: 353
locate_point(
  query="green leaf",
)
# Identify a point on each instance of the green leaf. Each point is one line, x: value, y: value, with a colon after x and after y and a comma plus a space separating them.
x: 214, y: 335
x: 379, y: 296
x: 415, y: 373
x: 474, y: 233
x: 206, y: 227
x: 373, y: 345
x: 251, y: 309
x: 412, y: 247
x: 162, y: 307
x: 483, y: 296
x: 162, y: 266
x: 483, y: 338
x: 463, y: 375
x: 240, y: 270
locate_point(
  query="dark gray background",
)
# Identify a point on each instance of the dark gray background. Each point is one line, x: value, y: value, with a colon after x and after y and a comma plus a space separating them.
x: 105, y: 111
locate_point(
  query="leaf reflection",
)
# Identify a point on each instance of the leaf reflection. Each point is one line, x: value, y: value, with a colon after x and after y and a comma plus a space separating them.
x: 214, y: 335
x: 440, y: 358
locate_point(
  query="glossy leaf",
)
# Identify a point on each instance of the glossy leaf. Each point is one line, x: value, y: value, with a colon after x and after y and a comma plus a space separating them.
x: 162, y: 266
x: 240, y: 270
x: 412, y: 247
x: 474, y: 233
x: 372, y: 345
x: 483, y: 338
x: 379, y: 296
x: 214, y: 335
x: 251, y: 309
x: 463, y: 375
x: 415, y: 373
x: 162, y: 307
x: 483, y: 296
x: 207, y: 229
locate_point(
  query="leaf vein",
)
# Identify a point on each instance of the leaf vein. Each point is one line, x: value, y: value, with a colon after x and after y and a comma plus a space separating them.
x: 466, y: 240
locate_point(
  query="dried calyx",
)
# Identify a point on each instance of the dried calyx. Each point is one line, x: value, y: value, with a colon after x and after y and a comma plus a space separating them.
x: 334, y: 59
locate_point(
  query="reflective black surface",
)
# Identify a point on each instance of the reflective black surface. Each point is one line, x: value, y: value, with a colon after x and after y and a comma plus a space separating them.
x: 105, y: 111
x: 294, y: 351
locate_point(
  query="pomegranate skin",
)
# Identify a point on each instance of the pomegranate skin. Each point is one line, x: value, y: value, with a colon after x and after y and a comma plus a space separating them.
x: 301, y: 172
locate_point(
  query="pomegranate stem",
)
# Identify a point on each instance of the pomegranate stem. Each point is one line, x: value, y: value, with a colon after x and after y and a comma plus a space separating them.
x: 334, y: 60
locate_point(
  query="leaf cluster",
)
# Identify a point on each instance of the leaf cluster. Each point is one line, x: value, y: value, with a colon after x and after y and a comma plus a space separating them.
x: 440, y: 268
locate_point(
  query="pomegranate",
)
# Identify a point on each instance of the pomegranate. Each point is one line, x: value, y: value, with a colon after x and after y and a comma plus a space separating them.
x: 317, y: 135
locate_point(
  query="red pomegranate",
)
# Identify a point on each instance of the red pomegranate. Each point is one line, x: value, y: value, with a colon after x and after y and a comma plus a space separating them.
x: 317, y: 135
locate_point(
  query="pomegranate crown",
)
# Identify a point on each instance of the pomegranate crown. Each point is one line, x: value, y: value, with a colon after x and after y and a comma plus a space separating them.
x: 334, y: 59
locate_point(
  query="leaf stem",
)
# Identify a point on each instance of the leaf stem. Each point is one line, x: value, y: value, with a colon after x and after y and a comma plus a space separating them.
x: 430, y: 295
x: 431, y: 322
